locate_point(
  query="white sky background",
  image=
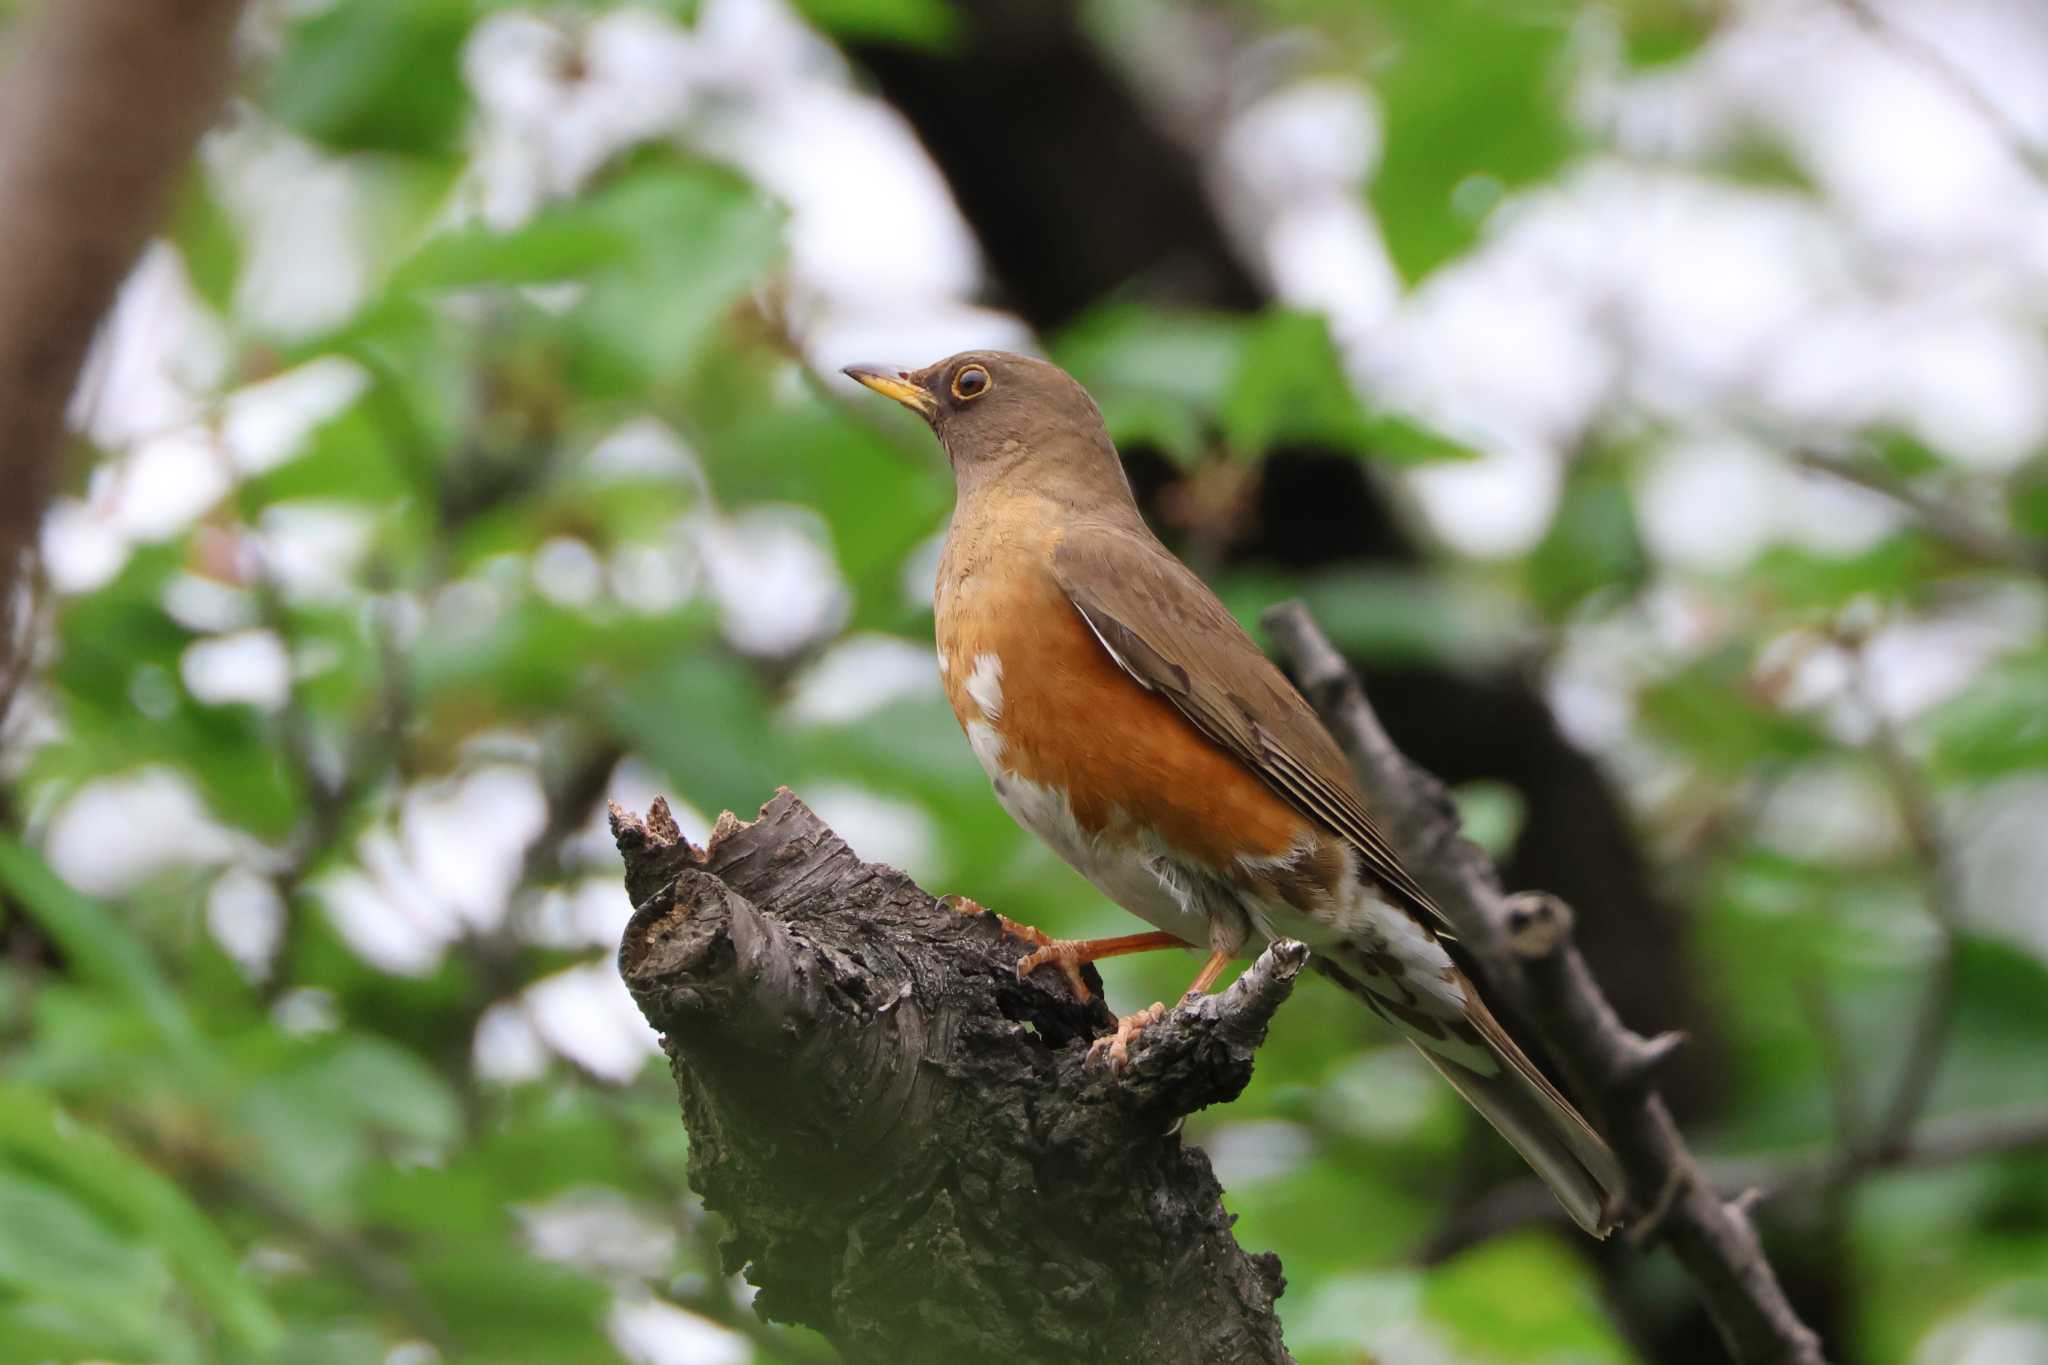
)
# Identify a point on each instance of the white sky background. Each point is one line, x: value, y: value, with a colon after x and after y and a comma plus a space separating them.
x: 1912, y: 290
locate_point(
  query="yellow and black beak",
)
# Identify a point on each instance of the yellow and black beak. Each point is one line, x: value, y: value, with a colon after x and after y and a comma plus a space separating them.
x: 898, y: 386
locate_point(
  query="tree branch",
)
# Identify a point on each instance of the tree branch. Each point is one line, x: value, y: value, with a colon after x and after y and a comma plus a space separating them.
x: 1951, y: 525
x: 1938, y: 1142
x: 910, y: 1150
x: 1937, y: 64
x: 1524, y: 954
x: 97, y: 120
x: 1934, y: 1019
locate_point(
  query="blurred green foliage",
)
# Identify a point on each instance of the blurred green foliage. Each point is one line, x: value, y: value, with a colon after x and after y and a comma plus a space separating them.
x: 201, y: 1161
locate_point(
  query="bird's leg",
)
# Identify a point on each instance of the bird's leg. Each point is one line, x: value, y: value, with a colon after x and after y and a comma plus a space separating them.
x: 1069, y: 955
x: 1117, y: 1046
x: 1211, y: 969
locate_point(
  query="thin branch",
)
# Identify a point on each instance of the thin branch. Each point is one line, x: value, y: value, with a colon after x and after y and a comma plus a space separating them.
x: 1958, y: 82
x: 1951, y: 525
x: 374, y: 745
x: 1933, y: 1021
x: 1524, y: 953
x: 1946, y: 1141
x: 1845, y: 1089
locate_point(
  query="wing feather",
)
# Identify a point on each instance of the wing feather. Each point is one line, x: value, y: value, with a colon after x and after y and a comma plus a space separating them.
x: 1163, y: 627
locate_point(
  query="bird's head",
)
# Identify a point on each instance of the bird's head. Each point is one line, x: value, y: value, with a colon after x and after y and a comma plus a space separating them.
x: 1013, y: 422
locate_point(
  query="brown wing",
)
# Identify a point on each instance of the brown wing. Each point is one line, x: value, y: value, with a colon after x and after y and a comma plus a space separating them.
x: 1167, y: 630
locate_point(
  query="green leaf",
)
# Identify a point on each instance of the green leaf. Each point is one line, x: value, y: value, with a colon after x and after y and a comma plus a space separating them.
x: 559, y: 244
x: 321, y: 1119
x: 1473, y: 106
x: 1903, y: 453
x: 1526, y: 1298
x: 1290, y: 385
x: 1401, y: 440
x: 2030, y: 501
x: 100, y: 948
x: 348, y: 458
x: 1662, y: 32
x: 1997, y: 725
x: 1389, y: 616
x: 208, y: 240
x: 54, y: 1249
x: 1157, y: 377
x: 878, y: 502
x: 930, y: 24
x: 1792, y: 579
x: 534, y: 655
x: 1710, y: 712
x: 702, y: 719
x: 699, y: 237
x: 1173, y: 379
x: 504, y: 1305
x: 376, y: 75
x: 1593, y: 544
x: 95, y: 1171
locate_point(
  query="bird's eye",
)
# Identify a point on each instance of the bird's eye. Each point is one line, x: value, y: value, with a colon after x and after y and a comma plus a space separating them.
x: 971, y: 382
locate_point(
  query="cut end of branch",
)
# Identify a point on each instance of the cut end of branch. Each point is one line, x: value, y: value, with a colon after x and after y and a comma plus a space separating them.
x: 1538, y: 924
x: 1201, y: 1053
x: 632, y: 833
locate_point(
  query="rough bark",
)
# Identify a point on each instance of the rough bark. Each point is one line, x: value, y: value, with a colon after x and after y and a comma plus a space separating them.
x: 1522, y: 948
x: 910, y: 1149
x: 99, y: 114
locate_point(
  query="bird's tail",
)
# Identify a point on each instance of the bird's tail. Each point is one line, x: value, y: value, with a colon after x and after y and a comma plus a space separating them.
x: 1500, y: 1081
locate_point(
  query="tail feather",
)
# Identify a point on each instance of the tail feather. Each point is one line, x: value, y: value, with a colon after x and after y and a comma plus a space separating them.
x: 1523, y: 1107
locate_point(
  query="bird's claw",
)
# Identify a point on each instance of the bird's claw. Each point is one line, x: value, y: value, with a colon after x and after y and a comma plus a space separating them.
x: 1113, y: 1049
x: 1061, y: 952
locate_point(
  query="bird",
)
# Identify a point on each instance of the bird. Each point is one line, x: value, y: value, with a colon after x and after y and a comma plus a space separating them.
x: 1125, y: 718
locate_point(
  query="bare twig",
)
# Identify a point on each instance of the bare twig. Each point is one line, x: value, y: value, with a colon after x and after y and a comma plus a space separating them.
x: 1845, y: 1092
x: 97, y: 119
x: 1523, y: 950
x: 1951, y: 525
x: 372, y: 748
x: 1938, y: 1142
x: 1958, y: 82
x: 1934, y: 1019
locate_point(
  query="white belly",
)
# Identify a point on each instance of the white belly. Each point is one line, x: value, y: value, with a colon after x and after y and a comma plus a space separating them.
x: 1126, y: 872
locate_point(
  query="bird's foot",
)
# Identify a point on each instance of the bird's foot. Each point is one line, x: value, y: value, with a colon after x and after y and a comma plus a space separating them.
x: 1113, y: 1049
x: 1067, y: 954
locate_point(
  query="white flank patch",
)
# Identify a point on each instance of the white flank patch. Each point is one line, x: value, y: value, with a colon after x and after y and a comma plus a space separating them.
x: 985, y: 684
x: 945, y: 664
x: 987, y: 743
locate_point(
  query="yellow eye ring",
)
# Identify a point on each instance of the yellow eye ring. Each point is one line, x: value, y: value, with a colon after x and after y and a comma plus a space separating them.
x: 970, y: 381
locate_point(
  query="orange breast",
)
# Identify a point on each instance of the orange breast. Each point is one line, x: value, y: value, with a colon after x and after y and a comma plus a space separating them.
x: 1018, y: 658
